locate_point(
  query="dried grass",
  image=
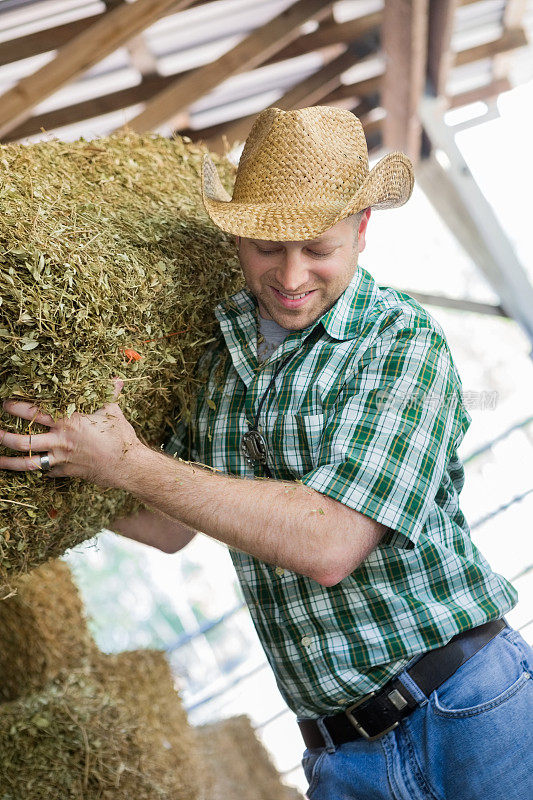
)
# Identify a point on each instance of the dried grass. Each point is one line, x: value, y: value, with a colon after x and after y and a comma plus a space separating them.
x: 81, y: 724
x: 93, y: 735
x: 43, y: 631
x: 105, y: 252
x: 239, y: 765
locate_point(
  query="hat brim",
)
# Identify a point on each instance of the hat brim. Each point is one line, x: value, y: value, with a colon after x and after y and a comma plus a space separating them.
x: 388, y: 185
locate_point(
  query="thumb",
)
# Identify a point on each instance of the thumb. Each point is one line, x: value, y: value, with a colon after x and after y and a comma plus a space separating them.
x: 118, y: 385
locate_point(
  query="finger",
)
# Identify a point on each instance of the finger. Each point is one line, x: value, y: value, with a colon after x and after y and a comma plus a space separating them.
x: 35, y: 442
x: 118, y: 386
x: 20, y: 463
x: 27, y: 411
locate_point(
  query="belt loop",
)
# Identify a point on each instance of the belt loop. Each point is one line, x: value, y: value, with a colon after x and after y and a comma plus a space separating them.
x: 328, y: 741
x: 416, y: 692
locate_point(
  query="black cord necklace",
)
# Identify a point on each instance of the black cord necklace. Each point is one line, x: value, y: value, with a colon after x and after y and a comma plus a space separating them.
x: 253, y: 444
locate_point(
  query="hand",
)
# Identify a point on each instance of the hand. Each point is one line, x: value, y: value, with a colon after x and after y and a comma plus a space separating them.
x: 92, y: 447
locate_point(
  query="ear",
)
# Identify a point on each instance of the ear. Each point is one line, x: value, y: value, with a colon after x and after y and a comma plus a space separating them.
x: 361, y: 240
x: 238, y: 241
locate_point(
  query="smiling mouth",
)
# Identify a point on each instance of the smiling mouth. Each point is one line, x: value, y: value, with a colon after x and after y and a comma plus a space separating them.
x: 293, y: 296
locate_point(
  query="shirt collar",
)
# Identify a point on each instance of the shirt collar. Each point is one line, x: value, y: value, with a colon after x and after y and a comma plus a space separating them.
x: 345, y: 318
x: 343, y: 321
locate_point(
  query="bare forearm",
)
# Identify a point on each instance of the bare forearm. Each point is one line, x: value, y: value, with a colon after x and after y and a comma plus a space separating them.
x: 154, y: 528
x: 279, y: 522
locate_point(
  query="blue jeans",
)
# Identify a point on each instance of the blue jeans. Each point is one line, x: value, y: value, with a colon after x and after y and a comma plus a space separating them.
x: 470, y: 739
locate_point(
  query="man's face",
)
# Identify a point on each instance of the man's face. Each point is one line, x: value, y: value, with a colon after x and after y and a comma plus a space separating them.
x: 277, y: 273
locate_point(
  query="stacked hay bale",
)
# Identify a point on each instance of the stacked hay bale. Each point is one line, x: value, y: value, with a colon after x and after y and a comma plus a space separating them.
x: 239, y: 766
x: 84, y: 735
x: 42, y: 631
x: 90, y: 726
x: 109, y: 266
x: 77, y: 723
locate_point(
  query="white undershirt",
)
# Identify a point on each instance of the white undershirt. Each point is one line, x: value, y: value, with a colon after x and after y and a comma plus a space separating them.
x: 273, y: 335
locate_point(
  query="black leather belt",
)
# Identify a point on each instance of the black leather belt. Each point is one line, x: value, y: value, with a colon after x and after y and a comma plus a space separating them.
x: 379, y: 712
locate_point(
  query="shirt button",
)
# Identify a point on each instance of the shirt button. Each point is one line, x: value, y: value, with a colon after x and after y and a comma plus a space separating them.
x: 280, y: 571
x: 306, y: 641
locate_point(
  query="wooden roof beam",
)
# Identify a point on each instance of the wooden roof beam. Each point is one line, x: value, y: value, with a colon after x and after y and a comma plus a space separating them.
x: 372, y: 123
x: 310, y: 91
x: 360, y: 89
x: 482, y: 93
x: 53, y: 38
x: 139, y: 53
x: 215, y: 132
x: 140, y: 56
x: 88, y: 109
x: 112, y: 30
x: 512, y: 16
x: 404, y: 40
x: 330, y: 33
x: 253, y: 50
x: 116, y: 101
x: 512, y: 39
x: 440, y: 54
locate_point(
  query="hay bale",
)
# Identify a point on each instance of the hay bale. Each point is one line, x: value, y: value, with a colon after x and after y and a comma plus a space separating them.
x: 113, y: 732
x: 43, y: 631
x: 105, y: 251
x: 239, y: 765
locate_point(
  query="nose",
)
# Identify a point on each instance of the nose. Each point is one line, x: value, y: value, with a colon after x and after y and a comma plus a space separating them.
x: 292, y: 273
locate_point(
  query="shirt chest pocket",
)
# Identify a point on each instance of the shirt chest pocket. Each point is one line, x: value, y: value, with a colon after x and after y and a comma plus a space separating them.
x: 294, y: 442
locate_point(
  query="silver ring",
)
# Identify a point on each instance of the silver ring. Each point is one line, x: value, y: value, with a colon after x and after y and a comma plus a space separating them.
x: 45, y: 463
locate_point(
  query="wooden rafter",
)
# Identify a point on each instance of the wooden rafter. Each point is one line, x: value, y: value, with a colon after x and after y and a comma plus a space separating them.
x: 140, y: 56
x: 440, y: 54
x: 88, y: 109
x: 117, y: 101
x: 355, y: 96
x: 511, y: 39
x: 512, y: 16
x: 361, y: 89
x: 54, y: 38
x: 372, y: 122
x: 310, y: 91
x: 330, y: 33
x: 487, y: 92
x: 88, y: 48
x: 253, y: 50
x: 404, y: 39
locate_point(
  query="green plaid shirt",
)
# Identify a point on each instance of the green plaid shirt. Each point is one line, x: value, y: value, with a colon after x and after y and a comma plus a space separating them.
x: 371, y: 414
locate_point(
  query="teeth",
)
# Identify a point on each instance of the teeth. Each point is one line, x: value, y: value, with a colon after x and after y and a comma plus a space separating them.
x: 294, y: 297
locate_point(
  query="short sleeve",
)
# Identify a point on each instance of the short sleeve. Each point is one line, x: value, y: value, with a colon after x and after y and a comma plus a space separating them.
x: 393, y: 430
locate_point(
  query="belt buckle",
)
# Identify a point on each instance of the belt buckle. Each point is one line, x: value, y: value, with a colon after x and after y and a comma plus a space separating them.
x: 357, y: 725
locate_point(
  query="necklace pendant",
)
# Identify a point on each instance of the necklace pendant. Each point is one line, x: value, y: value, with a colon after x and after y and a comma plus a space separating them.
x: 254, y: 447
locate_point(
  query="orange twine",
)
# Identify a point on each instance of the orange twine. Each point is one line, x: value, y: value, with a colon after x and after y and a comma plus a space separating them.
x: 133, y: 355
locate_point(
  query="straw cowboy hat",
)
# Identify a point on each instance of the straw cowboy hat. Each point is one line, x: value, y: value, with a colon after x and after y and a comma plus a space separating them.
x: 300, y: 173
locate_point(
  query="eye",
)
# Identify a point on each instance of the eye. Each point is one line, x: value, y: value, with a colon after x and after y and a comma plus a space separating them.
x: 265, y: 252
x: 316, y: 254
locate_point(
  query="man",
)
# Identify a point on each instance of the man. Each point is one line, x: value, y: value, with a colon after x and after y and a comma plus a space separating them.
x: 380, y: 618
